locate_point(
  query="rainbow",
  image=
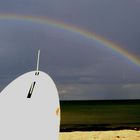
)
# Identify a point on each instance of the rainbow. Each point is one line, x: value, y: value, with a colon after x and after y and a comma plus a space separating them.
x: 90, y: 35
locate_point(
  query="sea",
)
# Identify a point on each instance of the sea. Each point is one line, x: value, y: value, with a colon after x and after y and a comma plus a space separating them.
x: 96, y: 115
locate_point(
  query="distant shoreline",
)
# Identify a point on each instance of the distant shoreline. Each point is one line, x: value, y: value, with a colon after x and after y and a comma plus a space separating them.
x: 97, y: 128
x: 100, y: 100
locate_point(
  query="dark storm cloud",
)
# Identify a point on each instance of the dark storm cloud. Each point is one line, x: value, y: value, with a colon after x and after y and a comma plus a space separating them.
x: 81, y: 68
x: 98, y: 91
x: 116, y: 20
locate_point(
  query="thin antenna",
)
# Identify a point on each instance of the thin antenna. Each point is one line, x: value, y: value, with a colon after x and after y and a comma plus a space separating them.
x: 37, y: 65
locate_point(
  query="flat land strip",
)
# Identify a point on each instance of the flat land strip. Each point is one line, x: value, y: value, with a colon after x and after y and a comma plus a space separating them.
x: 101, y: 135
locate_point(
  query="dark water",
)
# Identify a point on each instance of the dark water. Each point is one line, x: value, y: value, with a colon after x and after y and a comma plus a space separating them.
x: 100, y: 115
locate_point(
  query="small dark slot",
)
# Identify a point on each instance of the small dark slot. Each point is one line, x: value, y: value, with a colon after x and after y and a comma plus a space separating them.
x: 37, y: 73
x: 31, y: 90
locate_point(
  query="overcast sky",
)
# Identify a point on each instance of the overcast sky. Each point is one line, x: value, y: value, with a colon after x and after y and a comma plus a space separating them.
x: 81, y: 68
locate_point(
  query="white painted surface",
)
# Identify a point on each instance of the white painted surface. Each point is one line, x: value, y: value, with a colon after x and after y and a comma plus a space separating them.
x: 34, y: 118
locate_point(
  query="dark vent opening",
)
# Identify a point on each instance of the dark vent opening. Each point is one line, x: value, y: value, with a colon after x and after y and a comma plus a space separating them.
x: 31, y: 90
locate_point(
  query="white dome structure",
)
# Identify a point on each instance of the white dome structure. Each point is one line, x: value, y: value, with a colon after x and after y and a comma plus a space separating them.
x: 29, y: 108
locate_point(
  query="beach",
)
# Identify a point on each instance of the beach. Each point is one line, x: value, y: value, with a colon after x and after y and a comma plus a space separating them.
x: 101, y: 135
x: 100, y: 120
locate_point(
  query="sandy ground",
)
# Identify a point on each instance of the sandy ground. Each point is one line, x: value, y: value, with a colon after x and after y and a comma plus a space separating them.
x: 101, y: 135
